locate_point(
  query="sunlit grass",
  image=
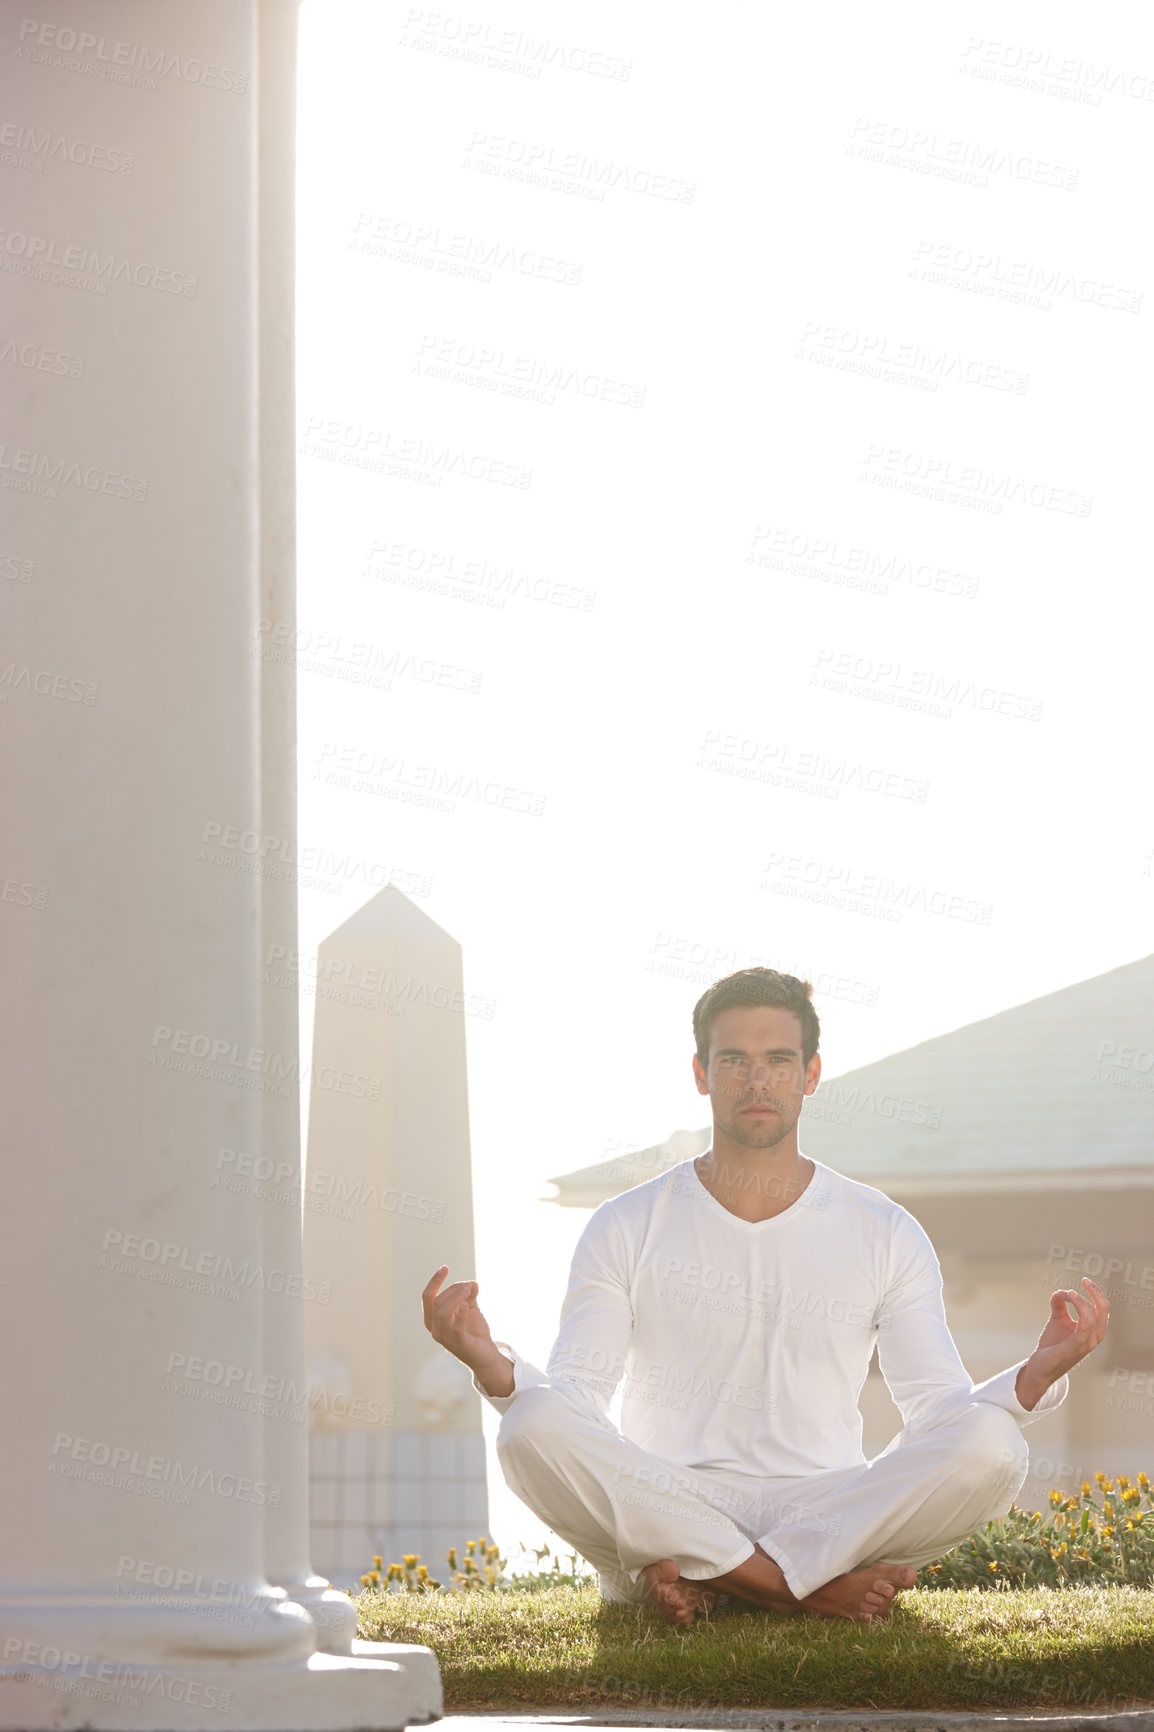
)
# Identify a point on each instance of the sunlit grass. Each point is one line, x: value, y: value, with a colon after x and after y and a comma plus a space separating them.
x: 938, y: 1649
x: 1038, y: 1609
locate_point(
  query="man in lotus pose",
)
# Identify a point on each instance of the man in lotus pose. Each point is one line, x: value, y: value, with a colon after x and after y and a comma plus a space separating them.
x: 739, y: 1297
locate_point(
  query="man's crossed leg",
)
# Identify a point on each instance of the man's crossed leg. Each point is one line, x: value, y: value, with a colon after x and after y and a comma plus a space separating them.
x: 840, y: 1542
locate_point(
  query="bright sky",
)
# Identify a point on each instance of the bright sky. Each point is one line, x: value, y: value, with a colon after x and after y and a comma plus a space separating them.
x: 822, y: 551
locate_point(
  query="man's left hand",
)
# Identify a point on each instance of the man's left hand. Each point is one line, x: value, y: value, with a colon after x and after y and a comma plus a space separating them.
x: 1064, y: 1341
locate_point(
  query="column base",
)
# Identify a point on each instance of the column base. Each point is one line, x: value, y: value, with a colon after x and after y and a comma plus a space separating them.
x: 381, y: 1687
x: 331, y: 1611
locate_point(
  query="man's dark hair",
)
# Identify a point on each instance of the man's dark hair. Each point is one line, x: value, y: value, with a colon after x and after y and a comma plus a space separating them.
x: 757, y: 986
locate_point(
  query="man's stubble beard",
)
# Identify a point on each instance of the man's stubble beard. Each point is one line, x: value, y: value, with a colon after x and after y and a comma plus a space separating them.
x: 763, y: 1134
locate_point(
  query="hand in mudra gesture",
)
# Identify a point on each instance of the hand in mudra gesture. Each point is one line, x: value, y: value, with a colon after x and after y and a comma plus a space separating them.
x: 1065, y: 1340
x: 455, y: 1320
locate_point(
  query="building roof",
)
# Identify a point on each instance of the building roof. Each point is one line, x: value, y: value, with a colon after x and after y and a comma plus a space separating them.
x: 1031, y: 1097
x: 589, y: 1186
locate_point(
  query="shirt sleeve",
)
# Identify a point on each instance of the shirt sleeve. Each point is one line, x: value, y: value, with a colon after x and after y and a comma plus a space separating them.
x: 917, y: 1354
x: 589, y: 1355
x: 525, y: 1376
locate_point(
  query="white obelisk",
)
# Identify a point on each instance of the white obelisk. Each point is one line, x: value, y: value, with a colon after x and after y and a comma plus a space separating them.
x: 398, y: 1454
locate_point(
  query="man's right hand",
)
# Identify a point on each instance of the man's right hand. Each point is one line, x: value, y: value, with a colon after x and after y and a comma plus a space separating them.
x: 454, y: 1320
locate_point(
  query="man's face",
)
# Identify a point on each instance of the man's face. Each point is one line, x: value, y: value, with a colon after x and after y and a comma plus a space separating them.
x: 756, y: 1078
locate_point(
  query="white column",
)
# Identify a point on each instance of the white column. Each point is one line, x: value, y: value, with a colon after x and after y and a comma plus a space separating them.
x: 144, y: 1303
x: 286, y: 1418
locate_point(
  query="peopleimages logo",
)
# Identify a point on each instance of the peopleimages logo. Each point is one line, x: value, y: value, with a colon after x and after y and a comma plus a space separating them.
x: 163, y: 1255
x: 223, y: 1060
x: 56, y: 471
x: 779, y: 763
x: 43, y: 250
x: 77, y: 1674
x: 230, y: 1384
x: 477, y: 40
x: 30, y: 148
x: 120, y: 59
x: 135, y: 1470
x: 203, y: 1046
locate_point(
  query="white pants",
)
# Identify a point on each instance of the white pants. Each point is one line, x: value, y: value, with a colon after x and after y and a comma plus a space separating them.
x: 622, y: 1508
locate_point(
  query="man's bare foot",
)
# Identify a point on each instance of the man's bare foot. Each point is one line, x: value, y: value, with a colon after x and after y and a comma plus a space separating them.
x: 861, y: 1594
x: 678, y: 1600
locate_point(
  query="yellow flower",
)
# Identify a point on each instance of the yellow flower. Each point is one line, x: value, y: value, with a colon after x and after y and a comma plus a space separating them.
x: 1107, y: 1485
x: 1055, y: 1497
x: 1131, y: 1495
x: 993, y: 1566
x: 1085, y: 1488
x: 422, y: 1572
x: 1108, y: 1532
x: 364, y: 1581
x: 451, y: 1557
x: 1143, y: 1480
x: 1101, y: 1478
x: 411, y: 1559
x: 377, y: 1564
x: 1123, y: 1480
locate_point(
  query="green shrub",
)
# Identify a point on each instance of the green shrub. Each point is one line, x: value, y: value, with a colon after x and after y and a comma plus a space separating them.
x: 482, y: 1570
x: 1107, y: 1543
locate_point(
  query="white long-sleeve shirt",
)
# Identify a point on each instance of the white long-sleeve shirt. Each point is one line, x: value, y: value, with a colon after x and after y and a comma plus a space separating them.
x: 743, y: 1345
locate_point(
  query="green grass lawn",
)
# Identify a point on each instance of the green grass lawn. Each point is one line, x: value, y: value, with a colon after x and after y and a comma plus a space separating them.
x: 954, y: 1648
